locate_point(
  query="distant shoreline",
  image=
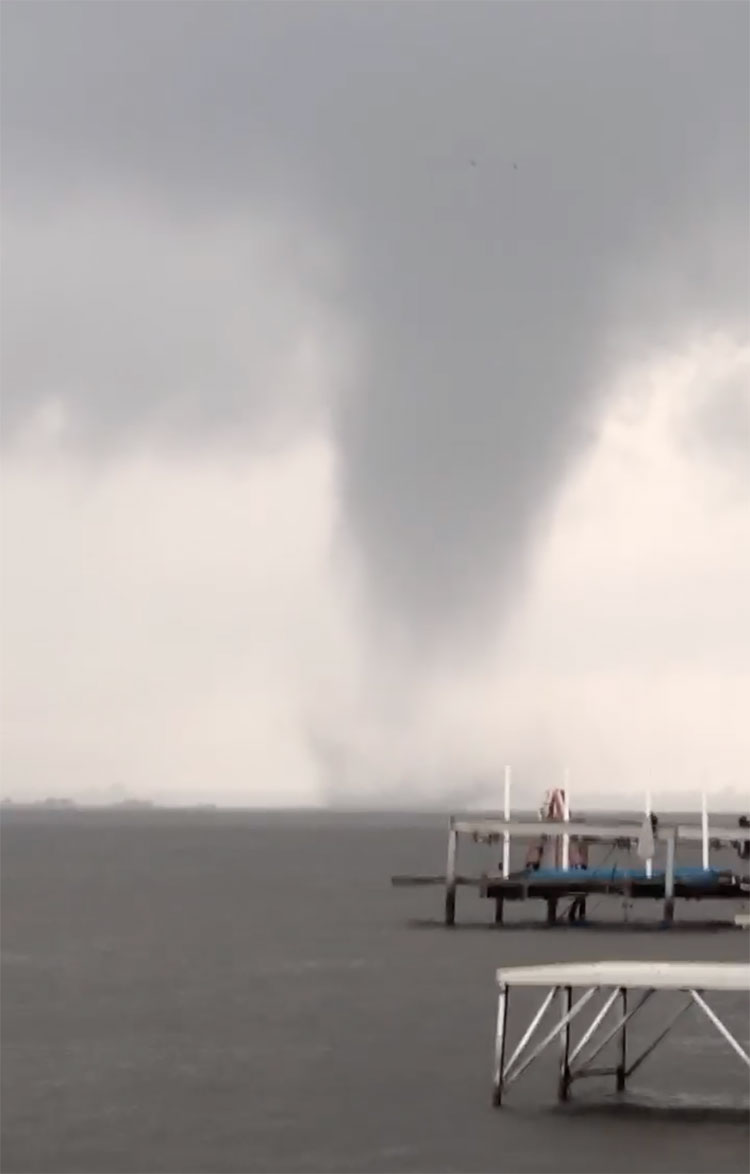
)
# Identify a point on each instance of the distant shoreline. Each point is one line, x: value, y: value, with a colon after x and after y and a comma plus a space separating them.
x: 151, y: 807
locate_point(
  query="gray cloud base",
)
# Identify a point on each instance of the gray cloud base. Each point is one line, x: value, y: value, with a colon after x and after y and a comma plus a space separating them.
x: 522, y: 197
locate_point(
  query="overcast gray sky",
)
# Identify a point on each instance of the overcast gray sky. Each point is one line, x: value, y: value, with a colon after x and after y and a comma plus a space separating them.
x: 328, y: 330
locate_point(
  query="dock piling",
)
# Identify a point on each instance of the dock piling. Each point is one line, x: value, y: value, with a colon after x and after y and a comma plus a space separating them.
x: 622, y: 1067
x: 566, y: 1004
x: 502, y: 1020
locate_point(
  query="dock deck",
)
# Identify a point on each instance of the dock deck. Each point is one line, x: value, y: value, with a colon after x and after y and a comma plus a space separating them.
x: 551, y: 886
x: 616, y: 980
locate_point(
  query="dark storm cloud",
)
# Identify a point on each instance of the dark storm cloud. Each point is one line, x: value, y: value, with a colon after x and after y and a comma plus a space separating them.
x: 518, y: 193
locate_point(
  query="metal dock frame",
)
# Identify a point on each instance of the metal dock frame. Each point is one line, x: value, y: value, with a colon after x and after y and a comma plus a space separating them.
x: 617, y: 979
x: 497, y: 829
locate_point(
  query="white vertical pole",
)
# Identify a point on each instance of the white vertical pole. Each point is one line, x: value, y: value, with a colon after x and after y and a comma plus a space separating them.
x: 704, y: 828
x: 669, y: 879
x: 506, y: 817
x: 566, y: 817
x: 450, y: 876
x: 649, y: 862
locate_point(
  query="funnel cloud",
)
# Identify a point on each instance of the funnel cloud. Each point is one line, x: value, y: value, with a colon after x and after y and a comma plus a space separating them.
x: 433, y: 235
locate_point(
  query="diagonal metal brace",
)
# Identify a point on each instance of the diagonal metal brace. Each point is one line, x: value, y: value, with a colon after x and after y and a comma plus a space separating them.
x: 530, y: 1030
x: 613, y: 1032
x: 594, y: 1024
x: 662, y: 1035
x: 555, y: 1031
x: 711, y: 1014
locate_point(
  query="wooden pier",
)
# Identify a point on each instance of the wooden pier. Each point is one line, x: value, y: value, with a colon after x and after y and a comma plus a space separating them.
x: 616, y: 980
x: 665, y: 885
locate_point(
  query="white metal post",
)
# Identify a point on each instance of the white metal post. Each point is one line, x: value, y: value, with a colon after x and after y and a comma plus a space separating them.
x: 450, y: 876
x: 506, y: 816
x: 669, y: 879
x: 566, y: 817
x: 704, y: 829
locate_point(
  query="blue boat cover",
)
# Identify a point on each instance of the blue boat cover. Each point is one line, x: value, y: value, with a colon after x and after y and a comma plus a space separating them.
x: 687, y: 875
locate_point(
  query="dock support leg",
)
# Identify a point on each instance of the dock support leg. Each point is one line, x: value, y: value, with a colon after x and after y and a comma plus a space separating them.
x: 563, y: 1088
x: 502, y: 1021
x: 668, y: 918
x: 551, y: 910
x: 499, y: 909
x: 623, y: 1065
x: 450, y: 877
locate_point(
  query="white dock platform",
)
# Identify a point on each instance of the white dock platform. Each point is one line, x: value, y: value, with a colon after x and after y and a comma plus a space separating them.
x: 615, y: 979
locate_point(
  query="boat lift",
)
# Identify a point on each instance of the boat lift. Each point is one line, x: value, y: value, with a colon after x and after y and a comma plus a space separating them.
x: 551, y: 885
x: 617, y: 980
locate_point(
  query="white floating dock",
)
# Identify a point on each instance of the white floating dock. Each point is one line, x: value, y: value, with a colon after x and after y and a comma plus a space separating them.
x: 672, y: 976
x: 616, y: 979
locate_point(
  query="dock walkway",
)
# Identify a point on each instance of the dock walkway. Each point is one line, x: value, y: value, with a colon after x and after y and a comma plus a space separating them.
x: 616, y: 980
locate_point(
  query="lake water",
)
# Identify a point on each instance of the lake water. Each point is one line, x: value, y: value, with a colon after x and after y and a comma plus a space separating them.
x: 212, y: 992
